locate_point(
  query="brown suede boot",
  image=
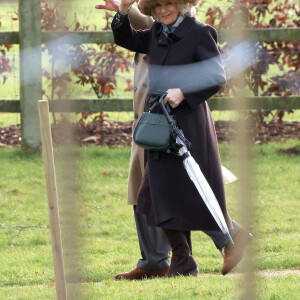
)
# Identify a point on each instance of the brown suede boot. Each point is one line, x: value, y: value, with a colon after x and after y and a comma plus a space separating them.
x: 234, y: 253
x: 182, y: 262
x: 139, y: 274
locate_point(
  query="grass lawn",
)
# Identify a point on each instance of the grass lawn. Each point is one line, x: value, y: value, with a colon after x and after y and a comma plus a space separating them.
x: 107, y: 232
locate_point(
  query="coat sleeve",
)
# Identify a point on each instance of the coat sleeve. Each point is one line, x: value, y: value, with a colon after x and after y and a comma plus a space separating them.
x: 126, y: 37
x: 208, y: 72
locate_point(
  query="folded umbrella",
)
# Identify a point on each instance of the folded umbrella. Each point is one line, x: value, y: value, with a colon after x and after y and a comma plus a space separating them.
x: 180, y: 146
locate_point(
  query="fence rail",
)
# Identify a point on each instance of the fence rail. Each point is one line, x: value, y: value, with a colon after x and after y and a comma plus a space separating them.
x: 217, y: 103
x: 100, y: 37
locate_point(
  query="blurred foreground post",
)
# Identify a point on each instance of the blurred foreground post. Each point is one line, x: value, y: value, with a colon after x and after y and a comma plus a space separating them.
x: 66, y: 153
x: 49, y: 167
x: 67, y: 157
x: 245, y: 193
x: 243, y: 157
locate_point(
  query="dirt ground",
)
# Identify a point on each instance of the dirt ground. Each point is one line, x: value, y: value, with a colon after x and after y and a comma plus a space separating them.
x: 114, y: 134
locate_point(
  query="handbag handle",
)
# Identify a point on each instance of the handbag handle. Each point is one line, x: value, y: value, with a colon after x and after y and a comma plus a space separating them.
x: 154, y: 98
x: 178, y: 132
x: 165, y: 111
x: 165, y: 108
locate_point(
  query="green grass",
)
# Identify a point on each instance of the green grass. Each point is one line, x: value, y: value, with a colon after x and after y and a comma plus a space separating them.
x: 108, y: 235
x: 208, y: 287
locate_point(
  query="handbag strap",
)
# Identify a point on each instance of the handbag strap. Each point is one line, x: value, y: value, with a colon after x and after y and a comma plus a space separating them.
x: 166, y: 110
x: 155, y: 101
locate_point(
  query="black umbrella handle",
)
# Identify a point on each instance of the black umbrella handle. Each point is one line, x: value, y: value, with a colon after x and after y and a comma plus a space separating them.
x: 172, y: 123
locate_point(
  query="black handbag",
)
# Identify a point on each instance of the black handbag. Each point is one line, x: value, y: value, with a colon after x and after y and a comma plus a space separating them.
x: 153, y: 130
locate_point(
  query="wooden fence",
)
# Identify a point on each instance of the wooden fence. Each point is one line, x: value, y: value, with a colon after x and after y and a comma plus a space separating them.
x: 30, y: 38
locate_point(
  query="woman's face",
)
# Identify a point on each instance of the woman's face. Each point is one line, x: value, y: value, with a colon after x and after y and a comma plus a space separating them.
x: 167, y: 12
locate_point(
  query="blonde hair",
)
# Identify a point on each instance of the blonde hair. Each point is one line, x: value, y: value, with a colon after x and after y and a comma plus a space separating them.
x: 187, y: 9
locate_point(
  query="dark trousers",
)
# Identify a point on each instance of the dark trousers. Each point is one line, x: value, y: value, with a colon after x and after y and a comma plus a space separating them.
x: 155, y: 248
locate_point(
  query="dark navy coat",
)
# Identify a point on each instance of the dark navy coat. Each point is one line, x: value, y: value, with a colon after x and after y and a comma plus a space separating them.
x: 188, y: 59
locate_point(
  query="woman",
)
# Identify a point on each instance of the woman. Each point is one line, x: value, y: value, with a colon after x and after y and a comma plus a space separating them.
x: 177, y: 39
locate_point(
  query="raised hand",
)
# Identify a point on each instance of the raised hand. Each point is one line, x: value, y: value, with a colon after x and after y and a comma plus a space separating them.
x: 124, y: 5
x: 111, y: 5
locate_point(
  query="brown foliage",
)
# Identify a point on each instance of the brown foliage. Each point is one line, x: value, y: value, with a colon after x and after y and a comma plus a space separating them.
x: 96, y: 66
x: 285, y: 56
x: 5, y: 66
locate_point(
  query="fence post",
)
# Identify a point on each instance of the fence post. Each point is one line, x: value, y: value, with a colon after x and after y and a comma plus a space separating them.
x: 30, y: 72
x: 57, y: 251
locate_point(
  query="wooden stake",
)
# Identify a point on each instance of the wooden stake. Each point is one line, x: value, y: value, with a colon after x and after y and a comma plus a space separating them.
x: 47, y: 149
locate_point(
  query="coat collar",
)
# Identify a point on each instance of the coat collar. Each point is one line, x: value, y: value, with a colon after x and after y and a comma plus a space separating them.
x: 177, y: 35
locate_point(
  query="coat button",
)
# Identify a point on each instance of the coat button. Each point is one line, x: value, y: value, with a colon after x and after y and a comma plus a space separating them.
x: 145, y: 57
x: 134, y: 89
x: 136, y: 62
x: 136, y: 116
x: 145, y: 85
